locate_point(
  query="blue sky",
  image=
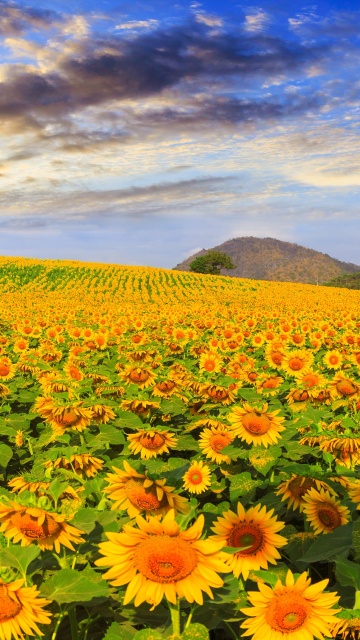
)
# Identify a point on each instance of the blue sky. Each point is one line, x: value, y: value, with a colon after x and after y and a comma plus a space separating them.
x: 141, y: 132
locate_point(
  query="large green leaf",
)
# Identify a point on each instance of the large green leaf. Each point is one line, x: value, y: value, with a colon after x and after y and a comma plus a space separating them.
x: 5, y: 455
x: 196, y: 632
x: 330, y: 546
x: 119, y: 632
x: 263, y: 459
x: 18, y: 557
x: 147, y: 634
x: 175, y: 406
x: 242, y: 485
x: 348, y: 573
x: 68, y: 585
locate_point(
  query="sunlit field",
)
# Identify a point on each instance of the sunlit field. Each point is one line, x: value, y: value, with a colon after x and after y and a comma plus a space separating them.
x: 178, y: 455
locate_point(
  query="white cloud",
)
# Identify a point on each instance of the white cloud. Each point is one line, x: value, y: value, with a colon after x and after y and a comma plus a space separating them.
x: 256, y: 20
x: 210, y: 21
x: 137, y: 24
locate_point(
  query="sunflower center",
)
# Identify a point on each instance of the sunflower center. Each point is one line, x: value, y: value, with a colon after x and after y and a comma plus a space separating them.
x: 68, y: 417
x: 219, y: 441
x: 329, y: 516
x: 29, y: 527
x: 256, y: 424
x: 298, y: 487
x: 151, y: 442
x: 310, y: 380
x: 9, y: 608
x: 287, y: 612
x: 209, y: 365
x: 296, y: 364
x: 4, y: 369
x: 333, y: 359
x: 245, y: 535
x: 166, y: 385
x: 195, y: 477
x: 271, y: 383
x: 346, y: 388
x: 165, y: 559
x: 139, y: 375
x: 144, y: 499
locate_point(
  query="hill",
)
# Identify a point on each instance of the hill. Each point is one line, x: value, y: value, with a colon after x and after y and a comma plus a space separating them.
x: 271, y: 259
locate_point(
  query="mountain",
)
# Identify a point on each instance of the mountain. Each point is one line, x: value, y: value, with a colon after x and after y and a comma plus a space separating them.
x: 271, y: 259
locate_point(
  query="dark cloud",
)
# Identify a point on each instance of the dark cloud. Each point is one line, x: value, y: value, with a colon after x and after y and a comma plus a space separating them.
x: 15, y: 20
x: 187, y: 58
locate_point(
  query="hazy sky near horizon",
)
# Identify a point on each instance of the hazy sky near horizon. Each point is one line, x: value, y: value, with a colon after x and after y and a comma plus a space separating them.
x: 140, y: 132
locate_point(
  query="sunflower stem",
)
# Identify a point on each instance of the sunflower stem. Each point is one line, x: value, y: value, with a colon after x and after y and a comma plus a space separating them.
x: 357, y: 600
x: 231, y: 630
x: 62, y: 614
x: 175, y: 617
x: 73, y: 625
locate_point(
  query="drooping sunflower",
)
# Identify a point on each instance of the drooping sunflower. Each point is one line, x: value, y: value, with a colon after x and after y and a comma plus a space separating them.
x: 61, y: 417
x: 140, y: 407
x: 21, y: 610
x: 323, y: 511
x: 137, y: 494
x: 101, y: 413
x: 255, y: 533
x: 143, y: 377
x: 32, y: 524
x: 297, y: 487
x: 151, y: 442
x: 347, y: 627
x: 218, y: 393
x: 197, y: 478
x: 158, y: 560
x: 346, y: 450
x: 297, y: 610
x: 268, y: 385
x: 166, y: 387
x: 83, y: 464
x: 256, y: 425
x: 213, y: 440
x: 344, y: 388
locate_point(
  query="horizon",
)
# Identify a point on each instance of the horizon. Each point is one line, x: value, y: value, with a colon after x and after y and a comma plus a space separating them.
x: 137, y: 134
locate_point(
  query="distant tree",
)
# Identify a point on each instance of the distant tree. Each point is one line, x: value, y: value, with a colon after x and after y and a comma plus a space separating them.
x: 212, y: 263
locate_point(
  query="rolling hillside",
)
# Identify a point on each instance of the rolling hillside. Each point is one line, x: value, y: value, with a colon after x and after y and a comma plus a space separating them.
x: 271, y: 259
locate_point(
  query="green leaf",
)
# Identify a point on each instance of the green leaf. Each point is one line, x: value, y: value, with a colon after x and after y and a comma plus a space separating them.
x: 348, y: 573
x: 196, y: 632
x: 68, y: 585
x: 110, y: 434
x: 5, y: 455
x: 128, y: 419
x: 148, y: 634
x: 187, y: 443
x: 329, y: 546
x: 242, y: 485
x: 18, y: 557
x: 175, y: 406
x: 269, y: 577
x: 263, y: 459
x: 119, y: 632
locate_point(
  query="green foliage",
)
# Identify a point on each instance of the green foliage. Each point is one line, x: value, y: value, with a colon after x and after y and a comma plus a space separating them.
x: 212, y: 263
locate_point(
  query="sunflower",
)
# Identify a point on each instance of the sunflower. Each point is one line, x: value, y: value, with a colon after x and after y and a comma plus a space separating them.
x: 21, y: 611
x: 333, y: 359
x: 296, y: 488
x: 4, y: 390
x: 157, y: 559
x: 268, y: 385
x: 343, y: 387
x: 346, y: 628
x: 323, y: 511
x: 210, y: 362
x: 218, y: 393
x: 140, y: 407
x: 136, y: 493
x: 72, y: 416
x: 7, y: 369
x: 213, y: 440
x: 141, y: 376
x: 297, y: 610
x: 297, y: 362
x: 256, y: 425
x: 82, y: 464
x: 311, y: 379
x: 166, y: 387
x: 20, y: 484
x: 32, y: 524
x: 197, y: 478
x: 346, y: 450
x: 255, y: 533
x: 152, y: 442
x: 274, y: 354
x: 101, y: 413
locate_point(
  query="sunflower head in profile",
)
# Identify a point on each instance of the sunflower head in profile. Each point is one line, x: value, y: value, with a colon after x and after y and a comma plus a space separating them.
x: 292, y: 611
x: 31, y: 524
x: 213, y: 440
x: 297, y: 487
x: 346, y: 628
x: 345, y: 449
x: 138, y: 494
x: 140, y: 407
x: 83, y: 464
x: 255, y: 425
x: 324, y: 511
x: 197, y: 478
x: 158, y: 560
x: 218, y: 393
x: 255, y: 533
x: 151, y: 442
x: 21, y: 611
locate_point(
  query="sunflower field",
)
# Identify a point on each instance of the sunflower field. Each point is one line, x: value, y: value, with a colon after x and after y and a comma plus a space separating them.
x: 179, y: 455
